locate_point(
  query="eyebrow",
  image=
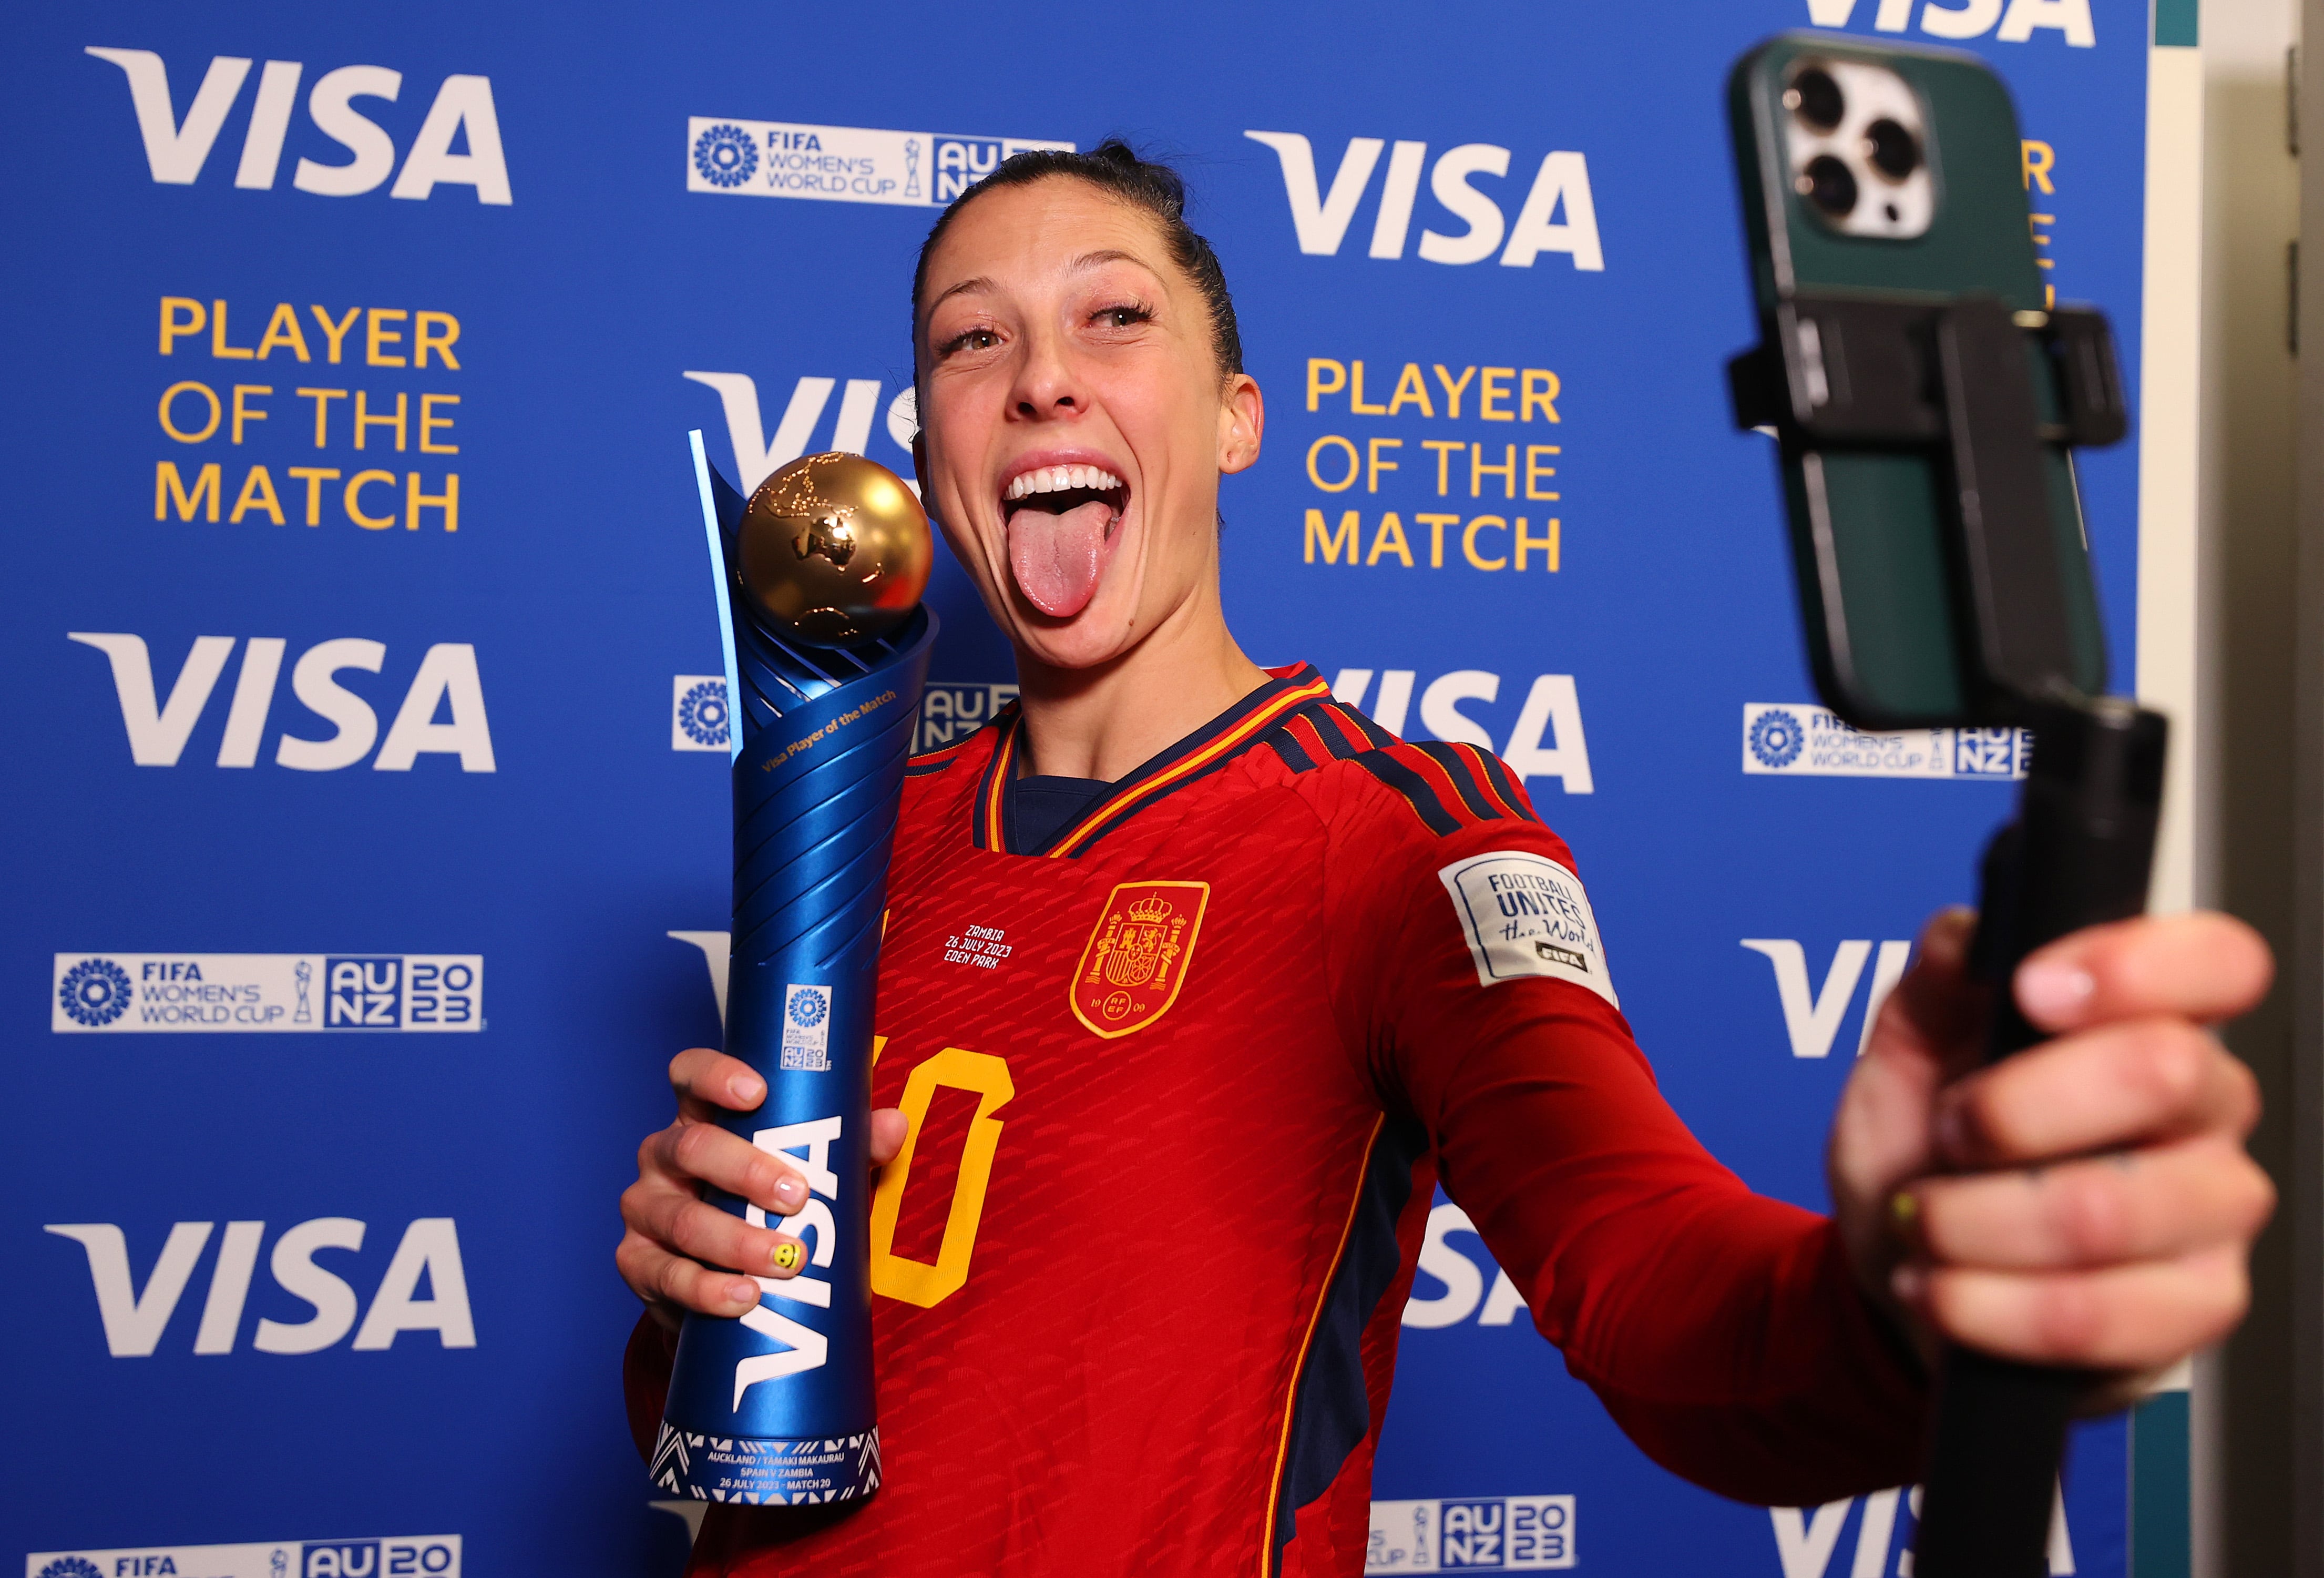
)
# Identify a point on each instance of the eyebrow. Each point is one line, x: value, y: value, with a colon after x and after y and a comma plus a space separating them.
x: 978, y: 283
x: 1088, y: 260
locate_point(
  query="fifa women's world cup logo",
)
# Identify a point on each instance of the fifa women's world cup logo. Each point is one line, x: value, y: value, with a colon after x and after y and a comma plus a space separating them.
x: 819, y: 580
x: 1137, y: 956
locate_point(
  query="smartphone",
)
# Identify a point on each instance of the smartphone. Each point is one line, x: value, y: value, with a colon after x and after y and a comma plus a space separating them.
x: 1896, y: 174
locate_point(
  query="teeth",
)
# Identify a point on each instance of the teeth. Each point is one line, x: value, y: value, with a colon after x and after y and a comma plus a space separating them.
x: 1055, y: 479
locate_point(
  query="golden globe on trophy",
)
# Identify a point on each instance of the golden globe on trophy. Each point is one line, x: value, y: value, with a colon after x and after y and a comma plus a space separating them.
x: 834, y: 550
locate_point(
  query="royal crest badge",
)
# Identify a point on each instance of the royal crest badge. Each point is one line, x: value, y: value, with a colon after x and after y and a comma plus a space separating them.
x: 1137, y: 956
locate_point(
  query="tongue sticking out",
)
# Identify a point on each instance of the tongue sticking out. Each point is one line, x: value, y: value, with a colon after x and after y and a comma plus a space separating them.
x: 1058, y: 559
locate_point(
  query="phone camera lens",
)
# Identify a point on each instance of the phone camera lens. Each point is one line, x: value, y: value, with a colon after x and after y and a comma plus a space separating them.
x: 1816, y: 99
x: 1891, y: 149
x: 1829, y: 184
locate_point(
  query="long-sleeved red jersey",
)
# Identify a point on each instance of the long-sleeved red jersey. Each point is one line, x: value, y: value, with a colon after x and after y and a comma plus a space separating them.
x: 1182, y: 1083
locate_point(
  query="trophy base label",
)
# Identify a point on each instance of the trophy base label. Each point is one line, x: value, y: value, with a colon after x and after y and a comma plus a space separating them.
x: 767, y: 1471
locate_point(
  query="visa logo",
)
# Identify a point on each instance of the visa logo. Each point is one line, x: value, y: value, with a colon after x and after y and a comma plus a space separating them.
x: 1463, y: 1279
x: 176, y: 150
x: 1970, y: 19
x: 1545, y: 741
x: 1558, y: 214
x: 807, y: 1147
x: 1807, y: 1537
x: 758, y: 454
x: 446, y: 681
x: 1813, y: 1014
x: 135, y: 1318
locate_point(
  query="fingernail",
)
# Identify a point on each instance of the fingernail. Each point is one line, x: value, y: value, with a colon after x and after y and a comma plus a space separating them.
x: 2054, y: 991
x: 1949, y: 1131
x: 790, y: 1190
x: 743, y: 1290
x: 788, y: 1255
x: 746, y: 1089
x: 1907, y: 1282
x: 1904, y: 1216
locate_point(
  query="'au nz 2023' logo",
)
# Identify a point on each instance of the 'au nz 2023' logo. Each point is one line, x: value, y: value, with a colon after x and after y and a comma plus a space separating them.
x: 118, y: 992
x: 428, y: 1555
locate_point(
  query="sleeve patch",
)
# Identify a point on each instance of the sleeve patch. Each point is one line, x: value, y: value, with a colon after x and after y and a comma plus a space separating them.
x: 1524, y: 913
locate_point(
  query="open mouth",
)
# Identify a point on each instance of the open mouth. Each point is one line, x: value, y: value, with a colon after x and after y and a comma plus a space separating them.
x: 1062, y: 520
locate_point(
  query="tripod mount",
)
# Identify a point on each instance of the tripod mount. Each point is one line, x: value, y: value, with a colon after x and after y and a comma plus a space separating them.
x: 1987, y: 394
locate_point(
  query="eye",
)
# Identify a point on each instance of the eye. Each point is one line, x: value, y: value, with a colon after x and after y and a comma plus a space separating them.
x: 969, y: 339
x: 1125, y: 315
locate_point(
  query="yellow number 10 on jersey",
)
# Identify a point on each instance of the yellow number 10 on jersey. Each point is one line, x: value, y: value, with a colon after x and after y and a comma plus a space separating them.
x: 916, y: 1281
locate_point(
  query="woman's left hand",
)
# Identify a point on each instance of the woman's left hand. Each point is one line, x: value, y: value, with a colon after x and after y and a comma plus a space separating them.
x: 2088, y: 1202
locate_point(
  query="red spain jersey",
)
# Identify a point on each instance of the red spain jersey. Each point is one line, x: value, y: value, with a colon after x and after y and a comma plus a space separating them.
x: 1182, y: 1083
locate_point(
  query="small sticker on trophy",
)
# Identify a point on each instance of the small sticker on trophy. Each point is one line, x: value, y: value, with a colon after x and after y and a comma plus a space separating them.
x: 806, y: 1028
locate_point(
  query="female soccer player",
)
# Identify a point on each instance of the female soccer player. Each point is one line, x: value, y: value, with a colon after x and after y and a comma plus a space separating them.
x: 1264, y: 975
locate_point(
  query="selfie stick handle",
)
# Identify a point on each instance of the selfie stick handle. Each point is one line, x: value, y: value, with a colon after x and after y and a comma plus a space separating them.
x: 2079, y: 854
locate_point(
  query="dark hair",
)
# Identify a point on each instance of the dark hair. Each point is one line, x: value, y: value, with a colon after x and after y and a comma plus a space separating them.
x: 1113, y: 168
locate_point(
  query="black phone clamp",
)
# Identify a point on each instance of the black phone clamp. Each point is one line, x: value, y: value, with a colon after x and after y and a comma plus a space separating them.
x: 1988, y: 391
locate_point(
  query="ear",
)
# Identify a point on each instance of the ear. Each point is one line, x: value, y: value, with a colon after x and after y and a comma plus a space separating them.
x: 1242, y: 421
x: 921, y: 461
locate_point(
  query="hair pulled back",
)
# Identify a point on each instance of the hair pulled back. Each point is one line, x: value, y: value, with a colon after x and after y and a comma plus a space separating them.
x: 1154, y: 188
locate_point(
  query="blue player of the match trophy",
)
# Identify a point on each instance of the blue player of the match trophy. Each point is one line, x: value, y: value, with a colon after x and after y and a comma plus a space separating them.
x: 819, y: 580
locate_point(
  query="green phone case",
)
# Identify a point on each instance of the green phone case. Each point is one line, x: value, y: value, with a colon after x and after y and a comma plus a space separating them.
x: 1878, y: 585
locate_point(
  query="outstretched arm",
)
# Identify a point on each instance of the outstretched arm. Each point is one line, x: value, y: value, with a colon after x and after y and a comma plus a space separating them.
x: 2086, y: 1202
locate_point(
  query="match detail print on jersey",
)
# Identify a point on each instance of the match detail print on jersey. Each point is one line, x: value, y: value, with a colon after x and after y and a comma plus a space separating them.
x: 1137, y: 956
x: 1526, y: 915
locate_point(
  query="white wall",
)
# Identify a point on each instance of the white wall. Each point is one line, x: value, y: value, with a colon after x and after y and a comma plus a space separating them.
x: 2239, y: 835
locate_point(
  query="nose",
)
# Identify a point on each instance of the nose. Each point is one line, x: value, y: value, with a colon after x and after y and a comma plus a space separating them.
x: 1046, y: 387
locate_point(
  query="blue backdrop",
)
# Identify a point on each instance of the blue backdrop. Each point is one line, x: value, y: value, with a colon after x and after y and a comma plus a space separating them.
x: 369, y: 808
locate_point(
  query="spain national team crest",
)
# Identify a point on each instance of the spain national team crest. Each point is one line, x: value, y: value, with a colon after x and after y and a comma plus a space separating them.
x: 1137, y: 956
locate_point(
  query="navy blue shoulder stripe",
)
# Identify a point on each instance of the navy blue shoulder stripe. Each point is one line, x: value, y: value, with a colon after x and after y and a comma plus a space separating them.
x: 1457, y: 765
x: 1363, y: 726
x: 1433, y: 813
x: 1449, y: 786
x: 942, y: 760
x: 1294, y: 755
x: 1505, y: 785
x: 939, y: 762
